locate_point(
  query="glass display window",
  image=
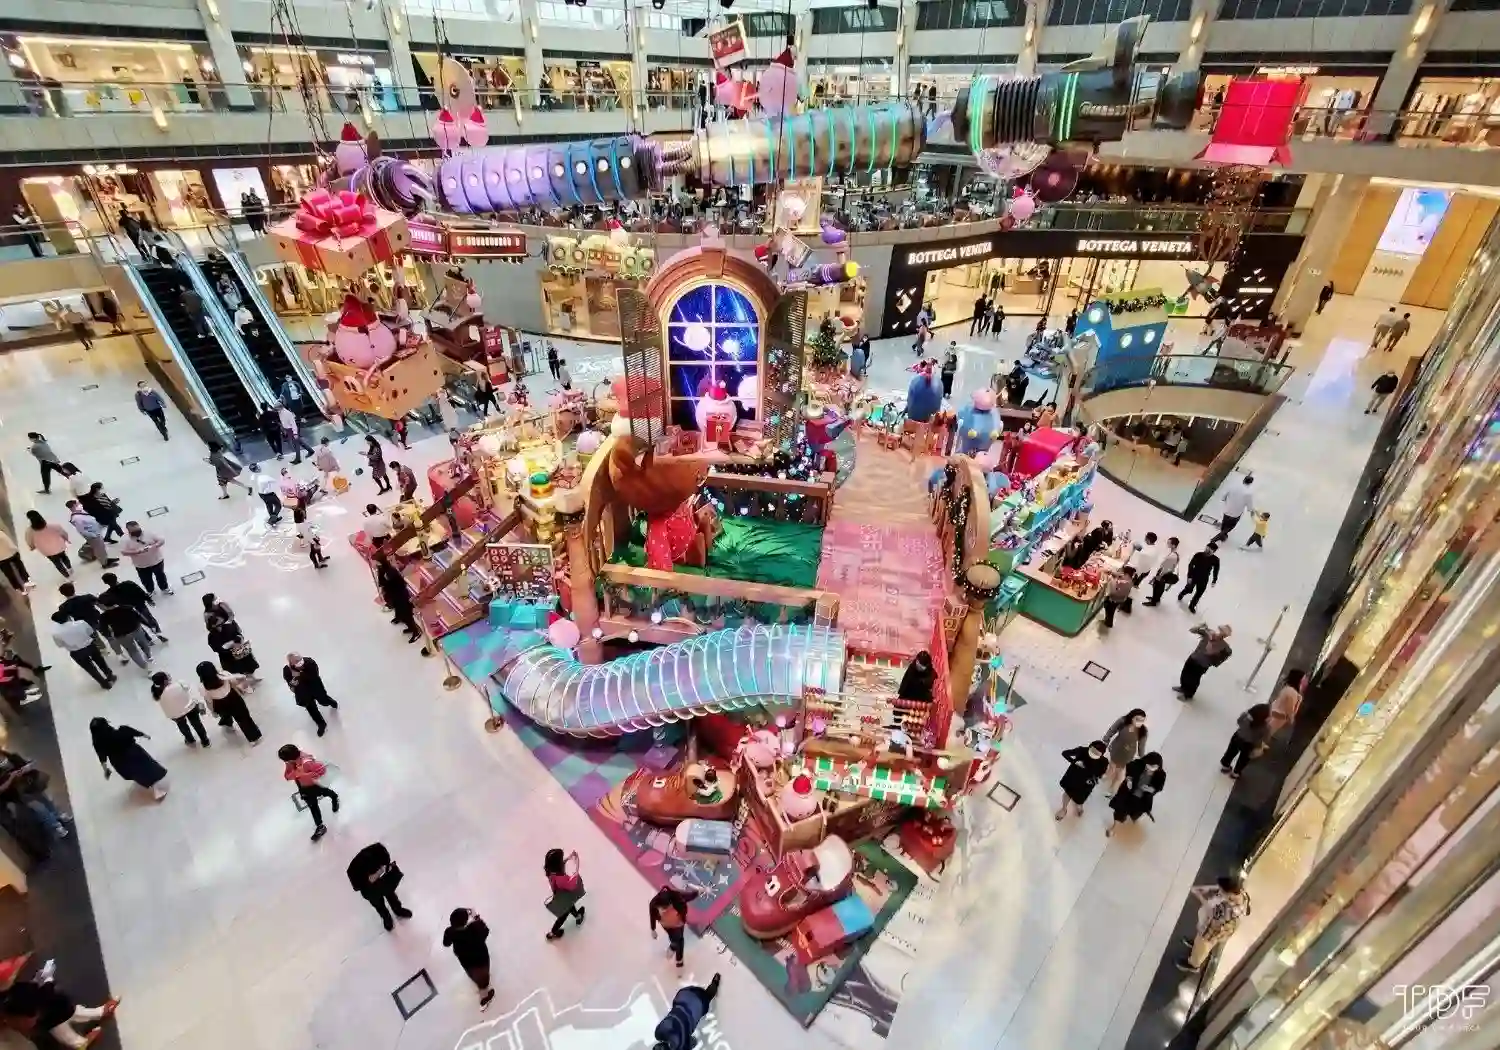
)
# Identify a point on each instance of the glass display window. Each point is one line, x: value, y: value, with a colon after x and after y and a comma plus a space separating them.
x: 290, y: 181
x: 586, y: 84
x: 713, y: 336
x: 674, y: 87
x: 847, y: 85
x: 89, y: 75
x: 181, y: 198
x: 583, y: 304
x: 1456, y: 110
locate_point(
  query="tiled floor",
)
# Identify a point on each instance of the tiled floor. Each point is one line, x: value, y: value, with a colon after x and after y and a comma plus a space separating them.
x: 223, y: 926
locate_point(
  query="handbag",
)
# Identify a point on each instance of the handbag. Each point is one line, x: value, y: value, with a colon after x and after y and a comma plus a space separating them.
x: 564, y: 901
x: 240, y: 649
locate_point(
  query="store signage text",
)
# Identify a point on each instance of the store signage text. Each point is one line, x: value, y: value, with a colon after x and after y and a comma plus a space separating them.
x: 434, y: 239
x: 356, y: 60
x: 937, y: 255
x: 1286, y: 71
x: 1127, y: 246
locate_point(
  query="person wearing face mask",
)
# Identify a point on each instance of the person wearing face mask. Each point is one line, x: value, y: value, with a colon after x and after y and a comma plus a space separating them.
x: 150, y: 404
x: 144, y: 549
x: 466, y: 935
x: 1144, y: 779
x: 1086, y: 767
x: 1124, y: 741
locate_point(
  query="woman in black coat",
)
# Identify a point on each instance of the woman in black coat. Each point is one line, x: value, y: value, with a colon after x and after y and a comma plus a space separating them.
x: 116, y: 747
x: 917, y: 682
x: 103, y: 508
x: 397, y: 597
x: 1144, y: 779
x: 228, y: 643
x: 1086, y: 767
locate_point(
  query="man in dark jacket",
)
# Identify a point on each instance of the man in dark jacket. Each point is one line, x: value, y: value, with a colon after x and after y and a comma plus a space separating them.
x: 132, y: 594
x: 980, y: 316
x: 375, y: 877
x: 1202, y: 569
x: 466, y: 935
x: 308, y: 691
x: 1383, y: 387
x: 192, y: 305
x: 77, y: 606
x: 689, y: 1006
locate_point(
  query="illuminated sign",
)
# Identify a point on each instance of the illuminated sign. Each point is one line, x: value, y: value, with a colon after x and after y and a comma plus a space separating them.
x: 958, y: 254
x: 1026, y: 244
x: 1130, y: 246
x: 435, y: 239
x: 356, y: 60
x: 1286, y: 71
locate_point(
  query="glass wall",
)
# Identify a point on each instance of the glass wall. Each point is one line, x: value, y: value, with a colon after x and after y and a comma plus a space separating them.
x: 1457, y: 110
x: 1389, y: 828
x: 67, y: 76
x: 1256, y: 9
x: 1103, y: 12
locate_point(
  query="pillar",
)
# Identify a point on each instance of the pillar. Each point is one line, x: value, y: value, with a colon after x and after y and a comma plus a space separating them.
x: 801, y: 42
x: 1031, y: 39
x: 532, y: 29
x: 398, y: 41
x: 581, y: 584
x: 1298, y: 297
x: 1401, y: 74
x: 1202, y: 15
x: 636, y: 31
x: 906, y: 36
x: 226, y: 56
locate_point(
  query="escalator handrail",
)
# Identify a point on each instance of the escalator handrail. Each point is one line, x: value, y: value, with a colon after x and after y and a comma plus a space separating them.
x: 179, y: 353
x: 272, y: 324
x: 235, y: 350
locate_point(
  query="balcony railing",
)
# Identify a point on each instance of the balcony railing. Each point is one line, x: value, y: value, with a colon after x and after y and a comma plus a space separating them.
x: 64, y: 99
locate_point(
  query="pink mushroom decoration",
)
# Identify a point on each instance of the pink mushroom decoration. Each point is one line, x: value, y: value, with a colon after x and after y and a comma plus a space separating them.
x: 475, y: 131
x: 778, y: 88
x: 447, y: 132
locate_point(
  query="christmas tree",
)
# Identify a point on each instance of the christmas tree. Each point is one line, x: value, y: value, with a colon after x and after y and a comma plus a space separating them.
x: 826, y: 352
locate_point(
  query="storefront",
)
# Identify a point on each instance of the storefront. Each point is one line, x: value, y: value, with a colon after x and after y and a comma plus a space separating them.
x: 1458, y: 110
x: 1378, y: 874
x: 1050, y: 272
x: 582, y: 279
x: 586, y: 83
x: 834, y: 83
x: 349, y: 80
x: 63, y: 75
x: 499, y: 75
x: 1336, y: 97
x: 674, y: 84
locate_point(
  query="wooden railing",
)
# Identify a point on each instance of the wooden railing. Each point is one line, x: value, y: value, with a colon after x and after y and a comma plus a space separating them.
x: 796, y: 603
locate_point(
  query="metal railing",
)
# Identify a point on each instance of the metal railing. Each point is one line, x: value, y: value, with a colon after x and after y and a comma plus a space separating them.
x: 223, y: 329
x: 1248, y: 375
x: 66, y: 99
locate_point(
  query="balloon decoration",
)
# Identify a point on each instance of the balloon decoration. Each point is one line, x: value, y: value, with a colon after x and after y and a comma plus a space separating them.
x: 832, y: 235
x: 563, y: 633
x: 779, y: 88
x: 447, y: 132
x: 1012, y: 161
x: 1022, y: 206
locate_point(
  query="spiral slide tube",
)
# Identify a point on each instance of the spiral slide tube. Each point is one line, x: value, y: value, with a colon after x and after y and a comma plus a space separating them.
x: 717, y: 672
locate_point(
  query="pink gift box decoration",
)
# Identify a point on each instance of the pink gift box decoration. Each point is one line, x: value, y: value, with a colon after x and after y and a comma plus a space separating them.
x: 340, y: 233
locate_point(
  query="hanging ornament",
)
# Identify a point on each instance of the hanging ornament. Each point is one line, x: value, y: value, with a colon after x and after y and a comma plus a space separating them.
x: 1022, y: 206
x: 350, y: 153
x: 447, y: 132
x: 778, y: 87
x: 476, y: 131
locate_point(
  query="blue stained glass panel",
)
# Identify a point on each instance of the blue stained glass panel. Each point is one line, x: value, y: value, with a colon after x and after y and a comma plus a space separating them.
x: 713, y: 336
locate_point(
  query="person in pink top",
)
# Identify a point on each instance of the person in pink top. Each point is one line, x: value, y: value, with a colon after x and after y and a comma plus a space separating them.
x: 49, y: 540
x: 305, y: 771
x: 566, y: 882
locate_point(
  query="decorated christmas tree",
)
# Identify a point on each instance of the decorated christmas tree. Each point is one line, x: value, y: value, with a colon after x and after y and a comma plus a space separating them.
x: 826, y: 352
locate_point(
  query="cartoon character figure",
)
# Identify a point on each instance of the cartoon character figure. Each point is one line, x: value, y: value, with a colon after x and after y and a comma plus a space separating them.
x: 359, y: 337
x: 820, y: 427
x: 715, y: 414
x: 978, y: 424
x: 662, y: 490
x: 924, y: 396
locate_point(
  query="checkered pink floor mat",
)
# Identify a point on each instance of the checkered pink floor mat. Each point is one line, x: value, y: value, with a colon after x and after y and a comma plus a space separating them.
x: 889, y: 581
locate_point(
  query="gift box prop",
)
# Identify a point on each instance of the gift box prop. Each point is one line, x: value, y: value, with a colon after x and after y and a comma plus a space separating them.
x: 1040, y: 450
x: 521, y: 615
x: 929, y: 840
x: 832, y: 929
x: 340, y: 233
x: 391, y: 390
x: 1255, y: 122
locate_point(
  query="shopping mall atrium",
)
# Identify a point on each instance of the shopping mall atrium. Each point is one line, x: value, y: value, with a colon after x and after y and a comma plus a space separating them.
x: 944, y: 524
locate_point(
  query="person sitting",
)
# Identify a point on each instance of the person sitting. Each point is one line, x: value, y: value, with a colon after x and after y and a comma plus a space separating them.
x: 917, y: 682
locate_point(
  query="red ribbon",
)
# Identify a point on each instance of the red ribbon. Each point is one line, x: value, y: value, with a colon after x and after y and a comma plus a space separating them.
x: 342, y: 214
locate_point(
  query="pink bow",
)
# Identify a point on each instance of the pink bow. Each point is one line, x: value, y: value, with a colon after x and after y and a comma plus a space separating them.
x: 341, y: 214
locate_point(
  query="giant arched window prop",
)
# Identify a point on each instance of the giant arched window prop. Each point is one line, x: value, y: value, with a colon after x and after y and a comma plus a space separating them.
x: 713, y: 336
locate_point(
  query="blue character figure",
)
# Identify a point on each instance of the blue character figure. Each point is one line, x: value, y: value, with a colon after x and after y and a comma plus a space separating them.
x: 978, y: 425
x: 923, y: 397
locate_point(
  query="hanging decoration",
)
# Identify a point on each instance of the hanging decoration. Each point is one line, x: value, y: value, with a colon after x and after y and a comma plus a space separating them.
x: 779, y: 88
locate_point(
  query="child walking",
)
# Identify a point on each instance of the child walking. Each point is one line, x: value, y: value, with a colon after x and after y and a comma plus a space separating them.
x: 315, y: 547
x: 1262, y: 526
x: 567, y: 889
x: 305, y: 771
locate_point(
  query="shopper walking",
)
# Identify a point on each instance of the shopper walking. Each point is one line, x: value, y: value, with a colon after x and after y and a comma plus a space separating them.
x: 104, y: 509
x: 146, y: 551
x: 326, y: 462
x: 1086, y: 767
x: 980, y: 316
x: 553, y: 361
x: 12, y: 565
x: 226, y: 469
x: 397, y: 595
x: 1202, y: 571
x: 150, y: 404
x: 1212, y: 650
x: 1325, y: 296
x: 24, y: 787
x: 182, y: 707
x: 265, y: 488
x: 1383, y: 325
x: 1384, y: 386
x: 398, y: 429
x: 1287, y: 702
x: 269, y: 421
x: 305, y: 680
x: 306, y: 771
x: 406, y: 481
x: 110, y: 311
x: 1125, y: 741
x: 92, y: 533
x: 1397, y: 332
x: 1220, y: 909
x: 375, y: 877
x: 50, y: 541
x: 466, y: 935
x: 125, y: 632
x: 566, y: 882
x: 228, y: 643
x: 1134, y: 798
x: 1261, y: 527
x: 1237, y: 500
x: 1117, y: 588
x: 689, y: 1006
x: 997, y: 318
x: 1166, y: 573
x: 128, y: 592
x: 192, y: 305
x: 375, y: 457
x: 82, y: 644
x: 949, y: 369
x: 291, y: 432
x: 117, y: 747
x: 226, y: 701
x: 669, y: 910
x: 42, y: 452
x: 1247, y: 741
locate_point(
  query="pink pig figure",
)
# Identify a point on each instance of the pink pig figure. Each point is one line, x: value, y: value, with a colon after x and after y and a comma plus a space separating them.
x: 361, y: 339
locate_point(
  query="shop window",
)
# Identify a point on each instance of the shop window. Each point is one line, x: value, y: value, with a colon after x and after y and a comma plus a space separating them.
x: 1253, y: 9
x: 854, y: 19
x: 774, y: 24
x: 713, y: 336
x: 970, y: 14
x: 1107, y: 12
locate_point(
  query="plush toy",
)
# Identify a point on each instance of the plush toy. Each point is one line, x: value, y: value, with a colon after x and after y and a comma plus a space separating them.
x: 979, y: 424
x: 350, y: 153
x: 924, y: 396
x: 359, y: 337
x: 715, y: 414
x: 820, y: 427
x: 662, y: 490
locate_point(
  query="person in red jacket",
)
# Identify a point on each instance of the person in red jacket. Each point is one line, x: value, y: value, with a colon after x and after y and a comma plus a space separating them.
x: 305, y: 771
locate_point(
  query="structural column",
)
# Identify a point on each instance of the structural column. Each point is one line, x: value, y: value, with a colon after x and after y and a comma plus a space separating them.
x: 906, y: 36
x: 531, y: 27
x: 801, y: 42
x: 1031, y: 39
x: 1402, y: 72
x: 398, y: 40
x: 1335, y: 209
x: 1203, y: 14
x: 226, y: 56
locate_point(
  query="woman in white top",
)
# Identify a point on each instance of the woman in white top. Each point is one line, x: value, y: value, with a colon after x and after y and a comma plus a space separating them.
x: 79, y: 483
x: 179, y: 704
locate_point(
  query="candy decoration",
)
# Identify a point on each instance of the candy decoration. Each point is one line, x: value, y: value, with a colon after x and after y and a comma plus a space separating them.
x: 475, y: 131
x: 447, y: 132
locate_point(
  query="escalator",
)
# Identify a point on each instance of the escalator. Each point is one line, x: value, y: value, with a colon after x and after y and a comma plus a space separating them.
x: 265, y: 340
x: 225, y: 384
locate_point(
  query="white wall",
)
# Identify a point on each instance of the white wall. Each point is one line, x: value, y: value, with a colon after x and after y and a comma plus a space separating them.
x: 1270, y: 35
x: 175, y: 14
x: 1467, y: 31
x: 978, y: 42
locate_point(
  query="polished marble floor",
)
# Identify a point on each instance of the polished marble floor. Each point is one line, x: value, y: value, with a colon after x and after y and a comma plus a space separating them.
x: 223, y: 926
